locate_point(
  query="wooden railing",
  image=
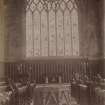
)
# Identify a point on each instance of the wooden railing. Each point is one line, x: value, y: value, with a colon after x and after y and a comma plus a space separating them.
x: 38, y: 70
x: 66, y: 68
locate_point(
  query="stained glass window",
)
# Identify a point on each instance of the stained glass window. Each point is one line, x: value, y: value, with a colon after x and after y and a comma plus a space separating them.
x: 52, y: 28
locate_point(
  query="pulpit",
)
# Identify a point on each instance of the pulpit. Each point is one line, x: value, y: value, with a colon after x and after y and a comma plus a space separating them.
x: 52, y: 94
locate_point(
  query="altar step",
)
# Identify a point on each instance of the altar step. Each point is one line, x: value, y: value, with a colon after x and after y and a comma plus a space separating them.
x: 73, y: 102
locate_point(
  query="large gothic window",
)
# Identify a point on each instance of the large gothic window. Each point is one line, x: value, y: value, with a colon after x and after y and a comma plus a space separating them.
x: 52, y: 28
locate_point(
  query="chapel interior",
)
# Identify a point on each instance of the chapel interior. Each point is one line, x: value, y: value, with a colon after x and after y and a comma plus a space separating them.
x: 52, y: 52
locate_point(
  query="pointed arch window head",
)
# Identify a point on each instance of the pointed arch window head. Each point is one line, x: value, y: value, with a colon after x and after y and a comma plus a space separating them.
x: 52, y: 28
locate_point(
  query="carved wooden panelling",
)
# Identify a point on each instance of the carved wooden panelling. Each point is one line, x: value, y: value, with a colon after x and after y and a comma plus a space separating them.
x: 52, y: 28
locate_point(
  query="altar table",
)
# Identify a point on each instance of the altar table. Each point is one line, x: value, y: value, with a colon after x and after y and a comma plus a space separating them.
x: 52, y: 94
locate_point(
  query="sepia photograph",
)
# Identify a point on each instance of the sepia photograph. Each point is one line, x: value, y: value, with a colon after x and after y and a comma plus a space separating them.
x: 52, y: 52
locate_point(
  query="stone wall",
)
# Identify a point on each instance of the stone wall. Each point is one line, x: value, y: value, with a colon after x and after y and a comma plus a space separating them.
x: 14, y: 23
x: 91, y: 37
x: 2, y: 39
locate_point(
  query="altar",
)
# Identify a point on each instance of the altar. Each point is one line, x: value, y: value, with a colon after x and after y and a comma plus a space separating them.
x: 52, y: 94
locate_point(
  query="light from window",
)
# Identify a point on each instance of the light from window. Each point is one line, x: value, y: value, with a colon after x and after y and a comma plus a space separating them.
x: 52, y: 28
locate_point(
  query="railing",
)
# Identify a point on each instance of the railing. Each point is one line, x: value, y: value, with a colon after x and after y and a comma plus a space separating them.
x: 38, y: 70
x: 66, y: 68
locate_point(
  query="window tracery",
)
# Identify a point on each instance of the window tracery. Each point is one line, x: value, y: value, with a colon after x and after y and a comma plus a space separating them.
x: 52, y: 28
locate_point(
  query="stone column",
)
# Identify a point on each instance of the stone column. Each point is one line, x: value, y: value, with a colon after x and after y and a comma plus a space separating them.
x: 104, y: 32
x: 104, y: 25
x: 2, y: 41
